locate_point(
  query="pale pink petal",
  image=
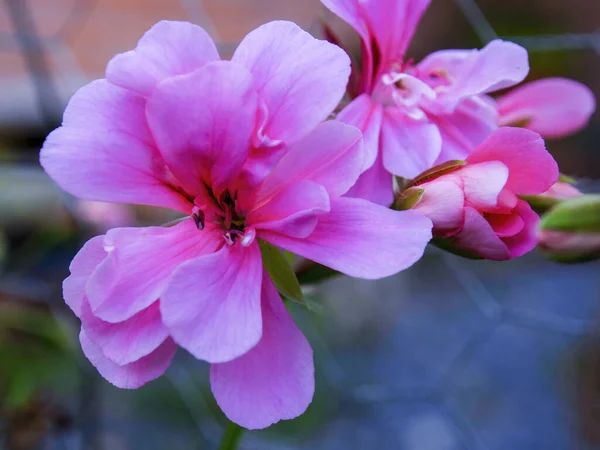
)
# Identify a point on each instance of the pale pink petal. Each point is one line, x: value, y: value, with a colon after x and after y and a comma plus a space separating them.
x: 331, y: 155
x: 505, y: 225
x: 139, y: 264
x: 104, y: 150
x: 408, y: 146
x: 473, y: 120
x: 482, y: 183
x: 562, y: 241
x: 562, y: 190
x: 275, y: 380
x: 532, y: 170
x: 167, y: 49
x: 526, y: 240
x: 478, y: 236
x: 361, y: 239
x: 127, y: 341
x: 443, y: 202
x: 301, y: 79
x: 553, y: 107
x: 135, y: 374
x: 212, y: 303
x: 293, y: 211
x: 365, y: 115
x: 498, y: 65
x: 82, y: 266
x: 374, y: 185
x: 203, y: 123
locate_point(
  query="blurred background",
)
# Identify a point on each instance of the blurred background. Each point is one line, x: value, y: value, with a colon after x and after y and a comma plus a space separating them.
x: 451, y: 354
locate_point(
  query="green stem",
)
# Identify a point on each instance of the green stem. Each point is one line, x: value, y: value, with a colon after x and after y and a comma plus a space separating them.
x: 231, y: 437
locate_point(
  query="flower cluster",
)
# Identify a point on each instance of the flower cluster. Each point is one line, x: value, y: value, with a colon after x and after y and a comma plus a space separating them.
x: 244, y: 150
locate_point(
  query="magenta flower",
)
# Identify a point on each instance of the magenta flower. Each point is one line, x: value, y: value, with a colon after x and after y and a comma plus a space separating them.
x: 475, y: 207
x: 416, y: 115
x: 552, y: 107
x: 238, y: 147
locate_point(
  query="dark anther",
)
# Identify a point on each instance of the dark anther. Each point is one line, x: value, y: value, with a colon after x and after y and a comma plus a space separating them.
x: 199, y: 219
x: 226, y: 199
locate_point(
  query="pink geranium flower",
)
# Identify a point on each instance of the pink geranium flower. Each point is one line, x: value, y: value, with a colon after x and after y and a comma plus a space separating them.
x: 552, y: 107
x: 238, y: 147
x: 475, y: 207
x: 416, y: 115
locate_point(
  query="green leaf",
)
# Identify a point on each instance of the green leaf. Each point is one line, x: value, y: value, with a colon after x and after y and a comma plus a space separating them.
x: 281, y: 272
x: 311, y: 272
x: 580, y: 214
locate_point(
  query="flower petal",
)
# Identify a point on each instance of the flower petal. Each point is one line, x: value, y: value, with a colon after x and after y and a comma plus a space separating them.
x: 168, y: 49
x: 275, y: 380
x: 482, y: 183
x: 505, y: 225
x: 375, y: 185
x: 82, y: 266
x: 139, y: 264
x: 301, y: 79
x: 532, y: 170
x: 203, y: 123
x: 408, y: 146
x: 443, y: 202
x: 104, y: 150
x: 293, y: 211
x: 553, y: 107
x: 526, y: 240
x: 331, y: 155
x: 477, y: 236
x: 126, y: 342
x: 212, y: 303
x: 135, y: 374
x: 361, y: 239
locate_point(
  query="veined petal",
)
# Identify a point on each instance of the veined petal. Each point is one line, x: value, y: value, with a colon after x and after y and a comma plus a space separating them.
x: 301, y: 79
x: 553, y: 107
x: 524, y: 241
x: 443, y: 202
x: 275, y: 380
x: 168, y: 49
x: 128, y: 341
x: 374, y: 185
x: 135, y: 374
x: 361, y: 239
x: 139, y: 264
x: 482, y: 183
x: 479, y: 237
x: 104, y: 151
x: 203, y: 123
x: 212, y: 303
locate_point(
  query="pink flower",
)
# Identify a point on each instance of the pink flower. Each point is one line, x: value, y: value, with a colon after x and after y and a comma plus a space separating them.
x: 569, y: 245
x: 561, y: 190
x: 416, y: 115
x: 238, y: 147
x: 475, y: 207
x: 552, y: 107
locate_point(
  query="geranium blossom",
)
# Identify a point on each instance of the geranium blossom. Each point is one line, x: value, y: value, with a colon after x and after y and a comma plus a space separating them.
x: 474, y: 205
x: 239, y: 148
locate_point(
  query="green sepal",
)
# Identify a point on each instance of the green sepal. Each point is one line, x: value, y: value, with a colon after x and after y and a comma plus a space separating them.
x: 569, y: 257
x: 408, y: 199
x: 577, y: 214
x: 281, y: 272
x: 311, y: 272
x: 447, y: 244
x: 437, y: 171
x: 539, y: 203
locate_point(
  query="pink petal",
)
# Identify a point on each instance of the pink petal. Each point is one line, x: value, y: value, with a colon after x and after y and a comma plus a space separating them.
x: 361, y: 239
x: 562, y: 190
x: 477, y: 236
x: 168, y: 49
x: 366, y: 116
x: 374, y: 185
x: 301, y: 79
x: 212, y: 303
x: 408, y: 146
x: 139, y: 264
x: 293, y: 211
x: 275, y: 380
x: 135, y: 374
x: 104, y: 150
x: 82, y: 266
x: 443, y: 203
x: 331, y: 155
x: 505, y: 225
x: 203, y: 123
x: 498, y: 65
x: 553, y: 107
x: 526, y: 240
x: 126, y: 342
x: 473, y: 120
x: 563, y: 241
x: 482, y: 183
x: 532, y: 170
